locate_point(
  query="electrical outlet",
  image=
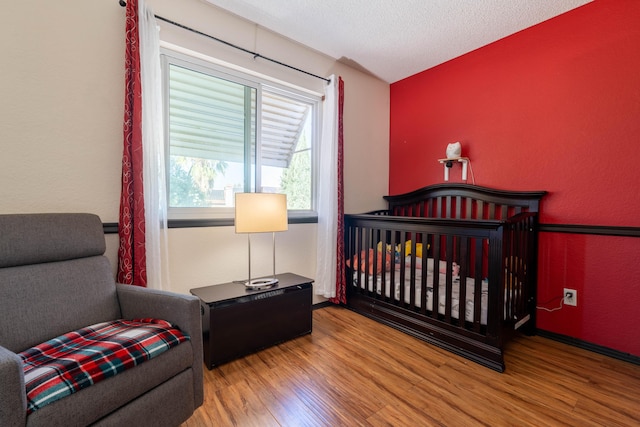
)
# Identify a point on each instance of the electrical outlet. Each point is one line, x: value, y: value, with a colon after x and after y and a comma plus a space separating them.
x: 570, y: 297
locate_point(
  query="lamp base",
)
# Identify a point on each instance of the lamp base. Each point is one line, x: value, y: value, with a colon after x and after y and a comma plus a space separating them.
x: 261, y: 283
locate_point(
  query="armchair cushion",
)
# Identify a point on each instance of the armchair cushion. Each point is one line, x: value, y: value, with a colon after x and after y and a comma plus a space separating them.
x: 103, y: 399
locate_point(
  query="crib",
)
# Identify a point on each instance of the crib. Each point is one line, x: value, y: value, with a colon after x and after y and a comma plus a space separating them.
x: 451, y: 264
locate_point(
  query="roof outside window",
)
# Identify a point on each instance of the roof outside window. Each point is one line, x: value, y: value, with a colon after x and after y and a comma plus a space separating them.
x: 207, y: 119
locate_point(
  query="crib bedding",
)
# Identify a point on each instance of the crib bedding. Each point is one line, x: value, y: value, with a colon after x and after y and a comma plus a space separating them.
x: 361, y: 277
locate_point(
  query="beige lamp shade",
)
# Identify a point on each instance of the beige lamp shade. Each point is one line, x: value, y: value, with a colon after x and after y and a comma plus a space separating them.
x: 261, y: 212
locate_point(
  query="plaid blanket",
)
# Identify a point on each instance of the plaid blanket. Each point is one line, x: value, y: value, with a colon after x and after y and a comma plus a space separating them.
x: 71, y: 362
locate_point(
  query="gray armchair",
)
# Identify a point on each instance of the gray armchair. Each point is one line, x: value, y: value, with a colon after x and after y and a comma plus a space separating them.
x: 54, y: 278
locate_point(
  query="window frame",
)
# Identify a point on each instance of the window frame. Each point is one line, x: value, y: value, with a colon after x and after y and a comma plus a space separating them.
x: 217, y: 216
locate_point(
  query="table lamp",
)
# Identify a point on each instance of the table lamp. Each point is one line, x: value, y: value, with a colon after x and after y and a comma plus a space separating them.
x: 261, y: 213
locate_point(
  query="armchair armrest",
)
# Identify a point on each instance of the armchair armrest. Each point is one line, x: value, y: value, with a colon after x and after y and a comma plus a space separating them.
x: 183, y: 311
x: 13, y: 395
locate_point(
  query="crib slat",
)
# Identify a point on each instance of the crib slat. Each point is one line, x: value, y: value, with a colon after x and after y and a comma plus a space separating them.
x: 512, y: 266
x: 372, y: 262
x: 494, y: 308
x: 358, y: 255
x: 402, y: 269
x: 462, y: 297
x: 435, y: 297
x: 385, y: 270
x: 469, y: 206
x: 448, y: 278
x: 521, y: 238
x: 412, y: 273
x: 392, y: 270
x: 477, y: 298
x: 492, y: 211
x: 423, y: 278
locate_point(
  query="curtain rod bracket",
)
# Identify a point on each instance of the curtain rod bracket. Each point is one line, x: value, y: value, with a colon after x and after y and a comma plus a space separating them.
x: 123, y: 3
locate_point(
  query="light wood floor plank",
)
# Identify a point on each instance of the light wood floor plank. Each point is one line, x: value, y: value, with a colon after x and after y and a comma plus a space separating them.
x: 352, y: 371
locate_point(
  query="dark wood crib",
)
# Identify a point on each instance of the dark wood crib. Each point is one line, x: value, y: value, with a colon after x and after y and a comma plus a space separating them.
x: 452, y: 264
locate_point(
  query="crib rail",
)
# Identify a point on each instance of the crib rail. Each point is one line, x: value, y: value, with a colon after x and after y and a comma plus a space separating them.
x: 463, y: 201
x: 383, y: 255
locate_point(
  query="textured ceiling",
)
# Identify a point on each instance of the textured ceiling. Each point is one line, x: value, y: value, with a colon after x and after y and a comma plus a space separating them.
x: 394, y: 39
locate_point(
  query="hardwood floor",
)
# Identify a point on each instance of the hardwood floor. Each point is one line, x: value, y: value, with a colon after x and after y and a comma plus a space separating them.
x: 352, y: 371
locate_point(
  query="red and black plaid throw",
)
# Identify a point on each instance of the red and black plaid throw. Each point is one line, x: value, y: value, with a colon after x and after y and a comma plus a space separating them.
x: 71, y: 362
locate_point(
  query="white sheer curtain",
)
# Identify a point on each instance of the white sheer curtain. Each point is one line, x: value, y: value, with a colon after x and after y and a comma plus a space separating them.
x: 155, y: 203
x: 325, y: 280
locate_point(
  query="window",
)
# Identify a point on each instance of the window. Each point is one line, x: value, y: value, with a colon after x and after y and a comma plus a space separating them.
x: 222, y: 127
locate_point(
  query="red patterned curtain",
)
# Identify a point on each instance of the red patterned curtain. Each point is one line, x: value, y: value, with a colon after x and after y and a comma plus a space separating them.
x: 131, y: 228
x: 341, y: 288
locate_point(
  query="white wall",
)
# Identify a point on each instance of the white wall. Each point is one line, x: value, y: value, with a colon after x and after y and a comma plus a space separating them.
x: 62, y: 90
x: 61, y: 109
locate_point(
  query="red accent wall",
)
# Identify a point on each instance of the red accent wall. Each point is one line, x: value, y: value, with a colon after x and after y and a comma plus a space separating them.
x: 555, y: 107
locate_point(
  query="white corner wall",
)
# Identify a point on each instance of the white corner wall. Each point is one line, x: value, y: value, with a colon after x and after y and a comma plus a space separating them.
x: 62, y: 92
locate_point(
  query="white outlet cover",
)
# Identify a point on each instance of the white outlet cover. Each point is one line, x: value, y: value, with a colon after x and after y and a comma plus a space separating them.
x: 570, y: 301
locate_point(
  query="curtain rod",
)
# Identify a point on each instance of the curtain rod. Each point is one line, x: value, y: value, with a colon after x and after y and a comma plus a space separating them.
x: 255, y: 54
